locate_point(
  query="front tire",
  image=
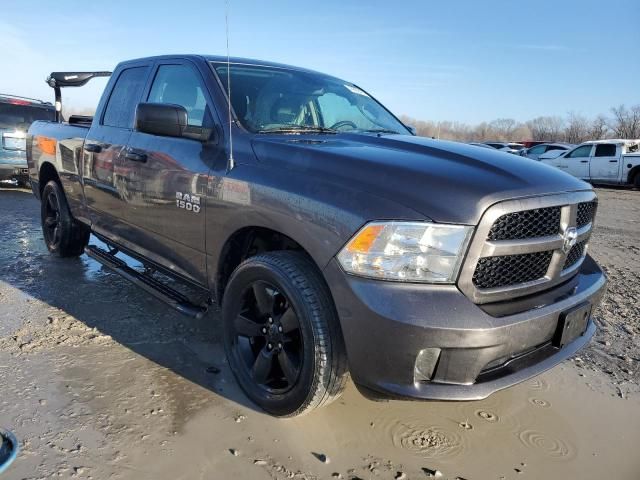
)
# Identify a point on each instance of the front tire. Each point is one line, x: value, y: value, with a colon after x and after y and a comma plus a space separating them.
x: 281, y: 334
x: 64, y: 236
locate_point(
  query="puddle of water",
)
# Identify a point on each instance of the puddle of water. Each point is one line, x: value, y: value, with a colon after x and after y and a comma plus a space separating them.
x: 554, y: 437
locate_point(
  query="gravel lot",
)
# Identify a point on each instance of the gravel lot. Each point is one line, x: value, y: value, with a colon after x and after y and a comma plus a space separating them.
x: 98, y: 380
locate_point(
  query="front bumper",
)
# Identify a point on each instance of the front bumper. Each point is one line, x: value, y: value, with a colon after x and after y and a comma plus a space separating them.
x: 483, y: 349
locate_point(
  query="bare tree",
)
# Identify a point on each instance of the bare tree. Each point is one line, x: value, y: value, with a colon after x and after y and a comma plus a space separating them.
x: 546, y: 129
x: 626, y: 122
x: 576, y: 129
x: 503, y: 128
x: 598, y: 128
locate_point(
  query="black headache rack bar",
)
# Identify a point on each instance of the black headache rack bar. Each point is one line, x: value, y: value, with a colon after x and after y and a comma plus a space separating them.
x: 57, y: 80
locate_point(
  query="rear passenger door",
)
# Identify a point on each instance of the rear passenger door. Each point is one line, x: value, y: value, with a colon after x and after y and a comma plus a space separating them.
x: 605, y: 163
x: 163, y: 180
x: 105, y: 142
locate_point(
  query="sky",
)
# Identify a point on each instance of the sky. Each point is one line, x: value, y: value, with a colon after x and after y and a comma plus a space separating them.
x: 466, y: 60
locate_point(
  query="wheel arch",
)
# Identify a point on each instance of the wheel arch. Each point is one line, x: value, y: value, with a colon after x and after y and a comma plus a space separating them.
x: 632, y: 174
x: 47, y: 173
x: 246, y: 242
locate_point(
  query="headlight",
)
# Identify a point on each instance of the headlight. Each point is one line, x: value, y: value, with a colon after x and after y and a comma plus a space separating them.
x: 406, y: 251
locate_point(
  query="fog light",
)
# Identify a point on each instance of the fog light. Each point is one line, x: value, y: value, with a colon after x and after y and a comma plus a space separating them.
x: 425, y: 365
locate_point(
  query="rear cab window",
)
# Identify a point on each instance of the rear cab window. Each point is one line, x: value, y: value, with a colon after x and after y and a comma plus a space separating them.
x: 124, y: 98
x: 605, y: 150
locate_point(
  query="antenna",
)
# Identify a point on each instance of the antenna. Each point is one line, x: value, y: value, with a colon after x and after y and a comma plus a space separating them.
x: 231, y: 162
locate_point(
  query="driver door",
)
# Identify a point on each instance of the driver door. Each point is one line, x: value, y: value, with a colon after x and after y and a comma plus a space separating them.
x: 577, y: 161
x: 163, y: 180
x: 605, y: 163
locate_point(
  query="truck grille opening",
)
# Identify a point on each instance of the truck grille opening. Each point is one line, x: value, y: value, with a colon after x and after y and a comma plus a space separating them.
x: 539, y: 222
x: 586, y: 212
x: 575, y: 254
x: 520, y: 246
x: 493, y: 272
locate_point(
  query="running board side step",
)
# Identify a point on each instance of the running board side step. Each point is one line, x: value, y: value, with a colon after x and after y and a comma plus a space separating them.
x: 161, y: 291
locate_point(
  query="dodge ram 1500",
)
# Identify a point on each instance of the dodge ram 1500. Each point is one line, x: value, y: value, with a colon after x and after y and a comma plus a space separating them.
x: 334, y: 239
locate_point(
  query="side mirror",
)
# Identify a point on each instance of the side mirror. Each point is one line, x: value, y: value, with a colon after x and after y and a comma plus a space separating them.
x: 168, y: 120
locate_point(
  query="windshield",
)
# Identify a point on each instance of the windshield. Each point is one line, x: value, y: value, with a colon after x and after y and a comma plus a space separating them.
x: 270, y: 99
x: 19, y: 117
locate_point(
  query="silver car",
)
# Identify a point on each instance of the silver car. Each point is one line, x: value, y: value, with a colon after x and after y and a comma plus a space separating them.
x: 509, y: 147
x: 537, y: 150
x: 16, y: 115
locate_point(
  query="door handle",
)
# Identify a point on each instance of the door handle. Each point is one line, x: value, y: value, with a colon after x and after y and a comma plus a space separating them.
x: 584, y: 161
x: 613, y: 161
x: 136, y: 157
x: 92, y: 148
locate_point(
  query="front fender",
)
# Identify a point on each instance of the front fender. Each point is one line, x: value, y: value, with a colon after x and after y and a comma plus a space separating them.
x: 319, y: 216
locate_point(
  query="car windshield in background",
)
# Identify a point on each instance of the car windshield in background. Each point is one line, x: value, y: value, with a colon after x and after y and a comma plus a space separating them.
x: 270, y: 99
x: 19, y: 117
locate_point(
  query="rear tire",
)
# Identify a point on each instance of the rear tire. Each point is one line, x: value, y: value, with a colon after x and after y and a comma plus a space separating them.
x: 64, y: 236
x: 281, y: 334
x: 636, y: 180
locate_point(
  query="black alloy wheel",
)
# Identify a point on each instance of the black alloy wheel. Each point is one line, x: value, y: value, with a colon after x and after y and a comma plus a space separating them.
x: 63, y: 235
x: 51, y: 220
x: 281, y: 334
x: 267, y: 337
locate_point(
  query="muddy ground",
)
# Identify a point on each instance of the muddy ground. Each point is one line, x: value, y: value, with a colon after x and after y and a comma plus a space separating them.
x: 100, y: 381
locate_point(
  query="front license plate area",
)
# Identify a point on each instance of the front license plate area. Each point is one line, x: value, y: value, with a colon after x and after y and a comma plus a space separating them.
x: 572, y: 324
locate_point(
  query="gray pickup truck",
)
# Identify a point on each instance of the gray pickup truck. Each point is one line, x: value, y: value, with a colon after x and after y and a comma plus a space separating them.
x: 334, y: 240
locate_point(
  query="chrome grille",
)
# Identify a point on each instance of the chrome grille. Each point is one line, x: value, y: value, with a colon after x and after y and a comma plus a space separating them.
x: 575, y: 254
x: 538, y: 222
x: 586, y: 212
x: 494, y: 272
x: 527, y: 245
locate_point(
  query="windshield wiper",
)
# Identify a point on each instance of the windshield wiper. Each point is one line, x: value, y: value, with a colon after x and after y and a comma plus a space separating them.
x: 377, y: 130
x: 298, y: 129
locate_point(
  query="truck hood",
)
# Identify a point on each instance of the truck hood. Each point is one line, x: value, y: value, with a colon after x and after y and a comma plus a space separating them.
x: 445, y: 181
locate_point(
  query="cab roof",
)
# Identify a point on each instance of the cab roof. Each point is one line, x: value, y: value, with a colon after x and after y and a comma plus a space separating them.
x: 232, y: 60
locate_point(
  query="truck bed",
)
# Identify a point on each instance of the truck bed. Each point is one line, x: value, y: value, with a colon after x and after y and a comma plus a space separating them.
x: 60, y: 145
x: 57, y: 143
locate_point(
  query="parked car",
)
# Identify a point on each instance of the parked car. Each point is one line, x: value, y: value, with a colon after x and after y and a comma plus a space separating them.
x: 537, y: 150
x: 551, y: 154
x: 331, y: 236
x: 602, y: 161
x: 16, y: 115
x: 506, y: 147
x: 483, y: 145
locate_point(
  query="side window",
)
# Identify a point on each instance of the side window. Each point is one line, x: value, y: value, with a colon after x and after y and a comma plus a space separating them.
x: 605, y: 150
x: 121, y: 107
x: 180, y: 85
x: 537, y: 150
x: 580, y: 152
